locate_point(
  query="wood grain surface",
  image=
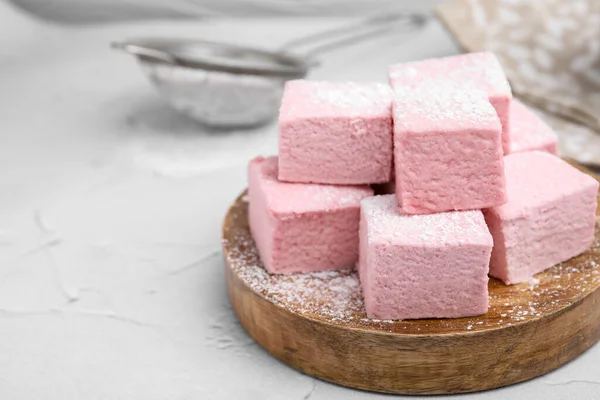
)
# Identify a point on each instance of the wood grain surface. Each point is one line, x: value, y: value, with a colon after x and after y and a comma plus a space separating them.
x: 317, y: 324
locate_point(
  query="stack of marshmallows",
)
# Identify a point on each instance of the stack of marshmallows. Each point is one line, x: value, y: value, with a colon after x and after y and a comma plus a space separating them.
x: 467, y: 178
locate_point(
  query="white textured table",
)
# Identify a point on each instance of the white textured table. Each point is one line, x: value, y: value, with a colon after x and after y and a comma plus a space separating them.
x: 111, y: 278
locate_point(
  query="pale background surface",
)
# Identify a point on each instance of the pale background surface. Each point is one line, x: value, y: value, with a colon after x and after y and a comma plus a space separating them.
x: 77, y: 11
x: 112, y: 283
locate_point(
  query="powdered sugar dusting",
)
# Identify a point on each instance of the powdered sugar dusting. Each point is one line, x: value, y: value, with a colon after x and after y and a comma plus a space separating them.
x: 304, y: 98
x: 387, y: 222
x: 350, y: 94
x: 442, y: 104
x: 536, y: 179
x: 481, y: 69
x: 293, y: 198
x: 335, y: 296
x: 528, y: 130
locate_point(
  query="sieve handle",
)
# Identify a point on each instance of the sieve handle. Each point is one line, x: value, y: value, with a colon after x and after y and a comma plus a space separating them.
x: 143, y: 51
x: 322, y: 42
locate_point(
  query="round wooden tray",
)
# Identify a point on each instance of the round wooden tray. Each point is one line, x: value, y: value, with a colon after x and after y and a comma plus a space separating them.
x: 317, y: 324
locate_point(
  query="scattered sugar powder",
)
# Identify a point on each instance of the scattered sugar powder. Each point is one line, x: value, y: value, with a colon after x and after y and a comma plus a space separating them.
x: 533, y: 281
x: 350, y: 94
x: 335, y: 296
x: 309, y: 98
x: 480, y: 68
x: 390, y: 223
x: 287, y: 197
x: 442, y: 104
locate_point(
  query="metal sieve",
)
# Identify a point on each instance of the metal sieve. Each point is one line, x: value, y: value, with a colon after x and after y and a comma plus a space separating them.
x: 229, y: 86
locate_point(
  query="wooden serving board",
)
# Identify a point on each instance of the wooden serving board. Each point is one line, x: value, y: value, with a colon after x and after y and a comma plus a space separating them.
x: 317, y: 324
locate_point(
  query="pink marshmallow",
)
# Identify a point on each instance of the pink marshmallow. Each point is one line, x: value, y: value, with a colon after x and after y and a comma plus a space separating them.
x: 302, y: 227
x: 447, y: 149
x: 528, y: 131
x: 549, y: 217
x: 335, y: 133
x: 422, y: 266
x: 480, y: 69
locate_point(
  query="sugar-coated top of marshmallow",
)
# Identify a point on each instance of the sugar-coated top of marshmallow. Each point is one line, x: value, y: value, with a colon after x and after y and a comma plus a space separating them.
x: 528, y: 131
x: 442, y: 105
x: 309, y: 99
x: 535, y: 178
x: 482, y: 69
x: 387, y: 223
x: 294, y: 198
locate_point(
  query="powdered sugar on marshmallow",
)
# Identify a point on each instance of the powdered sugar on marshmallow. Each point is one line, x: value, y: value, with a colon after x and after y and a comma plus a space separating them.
x: 432, y: 266
x: 335, y: 133
x: 428, y: 229
x: 443, y: 105
x: 549, y: 218
x: 529, y: 132
x: 481, y: 70
x: 328, y: 98
x: 447, y: 149
x: 295, y: 198
x: 334, y: 297
x: 302, y: 227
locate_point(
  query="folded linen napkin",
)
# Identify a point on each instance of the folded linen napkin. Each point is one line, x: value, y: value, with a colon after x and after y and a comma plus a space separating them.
x: 550, y: 51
